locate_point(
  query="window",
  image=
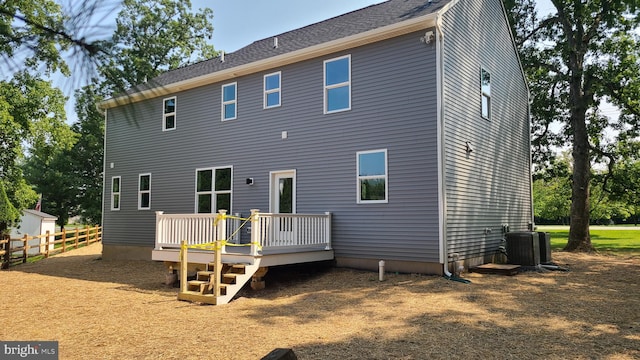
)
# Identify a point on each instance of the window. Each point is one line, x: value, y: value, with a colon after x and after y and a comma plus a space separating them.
x: 169, y: 114
x: 337, y: 84
x: 229, y: 101
x: 115, y: 193
x: 144, y: 192
x: 213, y: 189
x: 485, y: 85
x: 372, y: 176
x: 272, y: 90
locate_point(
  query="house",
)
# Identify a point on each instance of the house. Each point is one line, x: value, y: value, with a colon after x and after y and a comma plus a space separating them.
x: 397, y: 132
x: 34, y: 222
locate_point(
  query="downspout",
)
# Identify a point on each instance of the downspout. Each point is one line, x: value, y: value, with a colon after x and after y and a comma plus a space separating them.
x: 441, y: 149
x: 444, y: 257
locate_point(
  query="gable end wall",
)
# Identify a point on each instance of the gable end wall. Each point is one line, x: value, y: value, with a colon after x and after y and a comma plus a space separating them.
x: 490, y: 186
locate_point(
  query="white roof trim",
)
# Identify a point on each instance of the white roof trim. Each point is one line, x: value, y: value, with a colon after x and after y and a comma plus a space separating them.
x: 367, y: 37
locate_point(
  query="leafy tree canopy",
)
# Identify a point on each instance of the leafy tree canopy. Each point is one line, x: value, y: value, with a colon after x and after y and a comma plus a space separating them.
x: 154, y: 36
x: 576, y: 57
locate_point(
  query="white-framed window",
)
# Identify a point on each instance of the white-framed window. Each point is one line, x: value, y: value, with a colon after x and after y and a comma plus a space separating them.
x: 115, y: 192
x: 169, y: 114
x: 229, y: 101
x: 213, y: 189
x: 144, y: 191
x: 485, y: 89
x: 337, y: 84
x: 272, y: 90
x: 373, y: 186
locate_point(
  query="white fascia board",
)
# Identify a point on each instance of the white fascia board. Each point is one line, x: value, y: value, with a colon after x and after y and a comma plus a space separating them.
x: 349, y: 42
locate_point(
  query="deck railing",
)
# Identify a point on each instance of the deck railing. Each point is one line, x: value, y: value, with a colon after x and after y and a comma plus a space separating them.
x: 268, y: 231
x: 196, y: 229
x: 288, y: 230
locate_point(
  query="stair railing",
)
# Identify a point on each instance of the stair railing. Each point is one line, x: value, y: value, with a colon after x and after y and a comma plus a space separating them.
x: 218, y: 247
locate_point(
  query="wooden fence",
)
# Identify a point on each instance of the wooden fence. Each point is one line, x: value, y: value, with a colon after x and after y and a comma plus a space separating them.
x: 48, y: 244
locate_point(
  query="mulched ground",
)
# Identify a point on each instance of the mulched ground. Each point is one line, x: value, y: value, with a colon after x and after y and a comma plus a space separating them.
x: 103, y: 309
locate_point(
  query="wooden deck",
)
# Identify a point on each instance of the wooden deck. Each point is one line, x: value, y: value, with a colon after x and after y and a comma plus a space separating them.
x: 271, y: 239
x: 224, y: 260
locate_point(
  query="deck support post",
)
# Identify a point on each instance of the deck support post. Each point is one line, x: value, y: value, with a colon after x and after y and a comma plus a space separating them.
x: 257, y: 280
x: 327, y: 230
x: 218, y: 268
x: 221, y: 230
x: 183, y: 266
x: 255, y: 231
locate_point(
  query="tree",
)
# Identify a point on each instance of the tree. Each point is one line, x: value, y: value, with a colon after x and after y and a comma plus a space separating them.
x: 41, y: 34
x: 552, y: 199
x: 625, y: 183
x: 154, y: 36
x: 32, y: 121
x: 38, y: 36
x: 87, y: 154
x: 151, y: 37
x: 575, y: 58
x: 8, y: 213
x: 54, y: 179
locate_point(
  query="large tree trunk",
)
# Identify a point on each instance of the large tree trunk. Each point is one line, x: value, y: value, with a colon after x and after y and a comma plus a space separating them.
x: 579, y: 238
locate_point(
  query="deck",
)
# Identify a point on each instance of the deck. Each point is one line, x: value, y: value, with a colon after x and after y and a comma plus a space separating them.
x: 264, y: 238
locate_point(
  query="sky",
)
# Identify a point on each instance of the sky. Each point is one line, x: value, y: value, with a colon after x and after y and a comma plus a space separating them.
x: 238, y: 23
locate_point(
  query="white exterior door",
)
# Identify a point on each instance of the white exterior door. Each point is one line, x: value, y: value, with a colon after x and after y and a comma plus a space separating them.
x: 283, y: 201
x: 283, y: 192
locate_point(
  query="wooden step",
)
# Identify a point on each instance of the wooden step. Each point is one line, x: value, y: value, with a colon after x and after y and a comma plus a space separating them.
x: 204, y: 287
x: 228, y: 278
x: 233, y: 277
x: 195, y: 296
x: 204, y: 275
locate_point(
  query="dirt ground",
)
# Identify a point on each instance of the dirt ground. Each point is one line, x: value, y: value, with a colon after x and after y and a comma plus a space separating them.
x: 103, y: 309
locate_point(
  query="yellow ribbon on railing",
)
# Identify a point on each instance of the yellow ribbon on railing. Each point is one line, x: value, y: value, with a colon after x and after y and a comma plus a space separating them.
x: 217, y: 245
x: 225, y: 216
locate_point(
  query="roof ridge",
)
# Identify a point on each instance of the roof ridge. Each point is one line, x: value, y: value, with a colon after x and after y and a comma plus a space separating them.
x: 354, y: 22
x: 315, y: 23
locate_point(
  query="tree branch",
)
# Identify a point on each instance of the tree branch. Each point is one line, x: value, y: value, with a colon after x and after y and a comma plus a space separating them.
x: 91, y: 49
x: 542, y: 24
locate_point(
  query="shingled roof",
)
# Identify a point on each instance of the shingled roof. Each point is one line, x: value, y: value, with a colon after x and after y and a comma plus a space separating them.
x: 359, y: 21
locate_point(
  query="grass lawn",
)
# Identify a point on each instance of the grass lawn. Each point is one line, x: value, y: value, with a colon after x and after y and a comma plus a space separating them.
x: 623, y: 242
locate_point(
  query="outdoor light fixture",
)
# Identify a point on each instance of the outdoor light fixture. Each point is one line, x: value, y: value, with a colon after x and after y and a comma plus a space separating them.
x: 249, y: 181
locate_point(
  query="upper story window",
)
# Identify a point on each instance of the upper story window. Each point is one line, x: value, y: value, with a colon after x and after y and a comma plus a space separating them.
x: 485, y: 86
x: 337, y: 84
x: 169, y: 114
x: 272, y: 90
x: 229, y: 101
x: 144, y: 192
x: 213, y: 189
x: 115, y: 193
x: 372, y: 176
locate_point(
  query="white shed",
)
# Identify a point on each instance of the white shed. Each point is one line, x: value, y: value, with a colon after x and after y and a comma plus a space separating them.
x: 34, y: 223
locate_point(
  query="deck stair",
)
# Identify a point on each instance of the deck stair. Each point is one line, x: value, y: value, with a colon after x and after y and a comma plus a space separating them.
x: 233, y: 276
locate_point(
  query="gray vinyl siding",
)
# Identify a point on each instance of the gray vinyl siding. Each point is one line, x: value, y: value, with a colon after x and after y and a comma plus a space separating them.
x: 491, y: 186
x: 394, y: 103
